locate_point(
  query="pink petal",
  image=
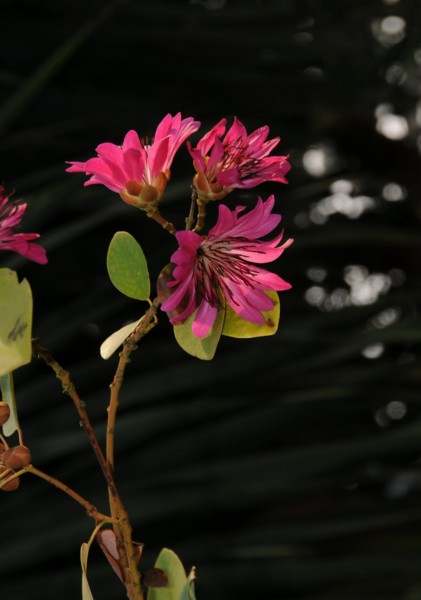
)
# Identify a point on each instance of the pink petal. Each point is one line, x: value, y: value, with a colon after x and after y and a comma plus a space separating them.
x: 266, y: 148
x: 229, y: 177
x: 164, y: 127
x: 237, y: 298
x: 76, y: 167
x: 111, y: 154
x: 197, y: 157
x: 208, y: 140
x: 204, y: 319
x: 110, y: 176
x: 134, y: 164
x: 189, y: 240
x: 157, y: 156
x: 256, y: 139
x: 216, y: 155
x: 235, y: 132
x: 131, y: 140
x: 270, y: 281
x: 185, y: 287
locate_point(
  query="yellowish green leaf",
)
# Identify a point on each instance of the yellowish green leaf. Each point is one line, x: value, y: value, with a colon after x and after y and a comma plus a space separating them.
x: 15, y: 321
x: 8, y: 396
x: 127, y: 266
x: 235, y: 326
x: 203, y: 348
x: 116, y: 339
x: 169, y: 562
x: 86, y: 590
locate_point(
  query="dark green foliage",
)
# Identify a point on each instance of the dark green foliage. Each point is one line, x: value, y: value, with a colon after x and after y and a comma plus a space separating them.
x: 287, y: 467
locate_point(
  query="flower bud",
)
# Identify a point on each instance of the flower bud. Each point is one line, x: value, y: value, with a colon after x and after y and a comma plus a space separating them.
x: 16, y: 457
x: 4, y: 412
x: 12, y: 485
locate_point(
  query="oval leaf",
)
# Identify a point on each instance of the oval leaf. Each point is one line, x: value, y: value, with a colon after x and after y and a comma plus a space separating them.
x: 172, y: 566
x: 15, y: 322
x: 116, y: 339
x: 235, y: 326
x: 86, y: 590
x: 203, y: 348
x: 127, y: 266
x: 8, y: 396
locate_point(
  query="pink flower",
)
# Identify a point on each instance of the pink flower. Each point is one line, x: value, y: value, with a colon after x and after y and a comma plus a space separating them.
x: 139, y: 172
x: 217, y: 268
x: 238, y: 160
x: 11, y: 215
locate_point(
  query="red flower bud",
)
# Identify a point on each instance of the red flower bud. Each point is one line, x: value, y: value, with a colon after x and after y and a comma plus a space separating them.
x: 12, y: 485
x: 16, y: 457
x: 4, y: 412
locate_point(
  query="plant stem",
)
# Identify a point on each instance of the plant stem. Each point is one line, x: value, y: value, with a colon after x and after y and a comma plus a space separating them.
x: 201, y: 214
x: 156, y: 216
x: 190, y: 218
x: 147, y: 323
x: 90, y: 508
x: 119, y: 515
x: 70, y: 390
x: 123, y: 534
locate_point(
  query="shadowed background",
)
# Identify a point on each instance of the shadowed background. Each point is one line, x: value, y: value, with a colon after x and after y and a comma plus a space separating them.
x: 288, y: 467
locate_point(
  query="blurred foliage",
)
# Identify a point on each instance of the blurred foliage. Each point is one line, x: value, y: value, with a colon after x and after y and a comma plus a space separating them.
x: 288, y: 467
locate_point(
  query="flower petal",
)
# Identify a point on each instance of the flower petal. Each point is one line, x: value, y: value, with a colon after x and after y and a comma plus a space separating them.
x: 204, y: 319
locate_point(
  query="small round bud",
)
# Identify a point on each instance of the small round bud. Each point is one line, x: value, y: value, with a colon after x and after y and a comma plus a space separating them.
x: 4, y: 412
x: 12, y: 485
x: 16, y: 457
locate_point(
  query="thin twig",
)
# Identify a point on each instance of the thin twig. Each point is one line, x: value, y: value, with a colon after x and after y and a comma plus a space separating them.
x: 119, y: 514
x: 201, y: 214
x: 156, y: 216
x: 90, y: 508
x: 190, y: 218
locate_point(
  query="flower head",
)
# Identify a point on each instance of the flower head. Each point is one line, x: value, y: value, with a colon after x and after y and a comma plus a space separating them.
x: 11, y: 214
x: 138, y: 171
x: 237, y: 160
x: 218, y: 268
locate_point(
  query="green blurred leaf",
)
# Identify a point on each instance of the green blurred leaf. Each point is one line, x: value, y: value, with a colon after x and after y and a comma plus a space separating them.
x: 127, y: 266
x: 237, y: 327
x: 116, y: 339
x: 15, y: 322
x: 203, y: 348
x: 8, y: 396
x: 169, y: 562
x: 86, y: 590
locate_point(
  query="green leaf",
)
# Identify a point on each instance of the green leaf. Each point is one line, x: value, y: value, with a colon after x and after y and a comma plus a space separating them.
x: 188, y: 591
x: 235, y: 326
x: 203, y: 348
x: 116, y: 339
x: 169, y: 562
x: 86, y: 590
x: 8, y: 396
x: 15, y: 322
x: 127, y: 266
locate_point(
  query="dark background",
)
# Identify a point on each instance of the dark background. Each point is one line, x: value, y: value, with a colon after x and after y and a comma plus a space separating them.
x: 288, y: 467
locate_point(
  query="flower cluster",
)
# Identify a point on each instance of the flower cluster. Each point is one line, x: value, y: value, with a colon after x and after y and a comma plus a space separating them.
x: 11, y: 214
x: 210, y: 272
